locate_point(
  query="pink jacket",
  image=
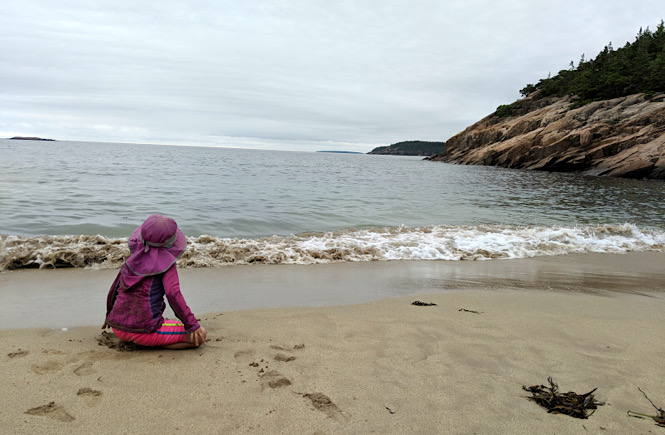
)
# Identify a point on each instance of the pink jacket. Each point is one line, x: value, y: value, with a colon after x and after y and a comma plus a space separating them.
x: 136, y: 303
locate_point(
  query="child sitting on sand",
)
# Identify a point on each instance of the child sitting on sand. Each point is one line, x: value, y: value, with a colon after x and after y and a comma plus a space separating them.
x: 135, y: 303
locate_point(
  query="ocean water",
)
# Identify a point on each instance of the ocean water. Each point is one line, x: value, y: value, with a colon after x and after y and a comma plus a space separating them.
x: 75, y: 203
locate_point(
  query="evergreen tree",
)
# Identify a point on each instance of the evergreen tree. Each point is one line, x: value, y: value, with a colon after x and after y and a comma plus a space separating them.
x: 637, y: 67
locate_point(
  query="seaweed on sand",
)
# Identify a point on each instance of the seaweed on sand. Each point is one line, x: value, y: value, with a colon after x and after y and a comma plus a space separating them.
x: 423, y: 304
x: 570, y: 403
x: 659, y: 419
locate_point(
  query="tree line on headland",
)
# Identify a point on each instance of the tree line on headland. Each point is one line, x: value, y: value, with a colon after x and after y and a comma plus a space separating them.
x: 637, y: 67
x: 31, y: 138
x: 410, y: 148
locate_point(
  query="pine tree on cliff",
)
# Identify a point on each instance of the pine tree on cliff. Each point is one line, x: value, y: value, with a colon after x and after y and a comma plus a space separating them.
x: 637, y: 67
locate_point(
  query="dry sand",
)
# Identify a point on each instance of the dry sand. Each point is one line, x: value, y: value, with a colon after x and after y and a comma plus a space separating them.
x: 384, y: 366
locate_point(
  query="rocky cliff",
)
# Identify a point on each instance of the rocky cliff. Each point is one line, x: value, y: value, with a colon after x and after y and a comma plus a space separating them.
x: 623, y: 137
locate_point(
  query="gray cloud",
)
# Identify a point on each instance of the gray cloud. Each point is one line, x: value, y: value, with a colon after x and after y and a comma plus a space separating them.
x: 286, y: 74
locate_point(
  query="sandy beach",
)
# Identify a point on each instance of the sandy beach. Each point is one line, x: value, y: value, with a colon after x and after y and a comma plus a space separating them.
x: 381, y: 365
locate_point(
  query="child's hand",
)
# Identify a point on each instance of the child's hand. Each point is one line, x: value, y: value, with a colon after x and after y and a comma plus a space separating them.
x: 105, y: 325
x: 198, y: 337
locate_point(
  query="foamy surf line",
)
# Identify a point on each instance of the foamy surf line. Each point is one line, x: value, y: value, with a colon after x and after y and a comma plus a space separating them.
x: 452, y: 243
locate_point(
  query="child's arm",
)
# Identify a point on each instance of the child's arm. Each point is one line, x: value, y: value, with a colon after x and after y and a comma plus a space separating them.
x: 177, y: 301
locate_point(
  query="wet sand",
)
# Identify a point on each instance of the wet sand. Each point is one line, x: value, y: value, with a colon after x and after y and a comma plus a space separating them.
x: 385, y: 365
x: 66, y: 298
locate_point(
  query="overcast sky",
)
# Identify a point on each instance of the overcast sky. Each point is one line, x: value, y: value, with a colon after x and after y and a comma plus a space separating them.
x: 300, y: 75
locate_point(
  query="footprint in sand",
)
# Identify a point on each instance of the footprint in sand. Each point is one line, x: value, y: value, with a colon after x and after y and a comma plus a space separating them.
x: 243, y: 356
x: 296, y: 347
x: 284, y: 358
x: 48, y: 366
x: 18, y: 353
x: 84, y: 369
x: 274, y: 379
x: 88, y: 392
x: 92, y: 397
x: 323, y: 403
x: 52, y: 410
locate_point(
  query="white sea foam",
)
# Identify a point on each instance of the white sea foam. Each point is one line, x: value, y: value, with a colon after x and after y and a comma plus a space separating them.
x: 450, y: 243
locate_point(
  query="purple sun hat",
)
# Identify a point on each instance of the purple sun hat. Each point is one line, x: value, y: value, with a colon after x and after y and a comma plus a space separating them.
x: 155, y: 246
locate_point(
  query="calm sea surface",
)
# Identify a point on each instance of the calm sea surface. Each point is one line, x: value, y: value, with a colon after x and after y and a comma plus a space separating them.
x: 239, y: 205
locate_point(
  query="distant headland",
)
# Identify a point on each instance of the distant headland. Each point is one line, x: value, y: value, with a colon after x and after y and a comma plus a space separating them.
x: 30, y: 138
x: 410, y: 148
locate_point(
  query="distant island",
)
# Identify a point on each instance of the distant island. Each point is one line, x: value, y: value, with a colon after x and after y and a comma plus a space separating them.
x: 410, y: 148
x: 340, y: 152
x: 30, y: 138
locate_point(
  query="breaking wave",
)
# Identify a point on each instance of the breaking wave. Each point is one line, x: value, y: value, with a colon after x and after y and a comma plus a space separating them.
x: 450, y: 243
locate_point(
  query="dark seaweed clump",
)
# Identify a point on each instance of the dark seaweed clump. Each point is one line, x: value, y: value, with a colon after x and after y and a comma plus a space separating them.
x: 422, y: 304
x: 570, y: 403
